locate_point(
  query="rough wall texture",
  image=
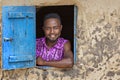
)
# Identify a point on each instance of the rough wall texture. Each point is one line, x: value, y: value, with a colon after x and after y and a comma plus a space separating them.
x: 98, y: 42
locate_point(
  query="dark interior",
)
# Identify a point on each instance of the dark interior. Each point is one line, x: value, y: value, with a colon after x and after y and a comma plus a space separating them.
x: 67, y: 18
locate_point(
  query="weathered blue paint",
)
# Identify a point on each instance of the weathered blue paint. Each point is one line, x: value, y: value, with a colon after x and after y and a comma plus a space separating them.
x: 20, y: 15
x: 75, y: 25
x: 18, y: 37
x: 20, y: 58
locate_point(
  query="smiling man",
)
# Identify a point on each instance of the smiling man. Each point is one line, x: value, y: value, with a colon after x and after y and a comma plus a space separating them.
x: 53, y: 50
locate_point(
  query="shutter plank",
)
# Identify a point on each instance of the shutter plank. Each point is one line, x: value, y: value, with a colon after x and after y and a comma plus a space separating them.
x: 20, y: 15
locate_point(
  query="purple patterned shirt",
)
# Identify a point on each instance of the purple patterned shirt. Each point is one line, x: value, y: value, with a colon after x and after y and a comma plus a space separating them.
x: 50, y: 54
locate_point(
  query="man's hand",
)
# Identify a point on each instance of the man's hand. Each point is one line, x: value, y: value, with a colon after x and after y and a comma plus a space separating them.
x: 40, y: 61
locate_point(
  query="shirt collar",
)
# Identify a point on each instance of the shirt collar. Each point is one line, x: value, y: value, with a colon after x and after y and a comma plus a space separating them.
x: 57, y: 45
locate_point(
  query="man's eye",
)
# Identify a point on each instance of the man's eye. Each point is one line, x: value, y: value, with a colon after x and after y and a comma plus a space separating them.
x: 47, y: 28
x: 56, y: 28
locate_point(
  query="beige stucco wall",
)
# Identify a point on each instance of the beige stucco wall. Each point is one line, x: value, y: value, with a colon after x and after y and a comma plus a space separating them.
x: 98, y: 42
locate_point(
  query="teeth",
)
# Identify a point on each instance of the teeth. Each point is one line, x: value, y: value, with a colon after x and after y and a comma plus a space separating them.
x: 52, y: 35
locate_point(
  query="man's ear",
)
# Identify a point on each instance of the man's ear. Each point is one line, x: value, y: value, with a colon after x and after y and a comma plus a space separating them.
x: 61, y: 27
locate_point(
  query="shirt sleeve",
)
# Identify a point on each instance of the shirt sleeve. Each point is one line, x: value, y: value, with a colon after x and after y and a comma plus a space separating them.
x: 37, y: 48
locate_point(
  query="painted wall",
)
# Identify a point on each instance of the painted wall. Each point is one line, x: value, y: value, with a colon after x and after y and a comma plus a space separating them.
x: 98, y: 42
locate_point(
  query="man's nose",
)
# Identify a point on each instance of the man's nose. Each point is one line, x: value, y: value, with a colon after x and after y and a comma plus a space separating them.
x: 52, y: 30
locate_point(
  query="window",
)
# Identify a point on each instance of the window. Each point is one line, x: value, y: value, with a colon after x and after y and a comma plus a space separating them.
x: 19, y: 34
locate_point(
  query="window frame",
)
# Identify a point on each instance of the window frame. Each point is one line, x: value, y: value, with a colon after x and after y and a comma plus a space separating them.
x: 74, y: 41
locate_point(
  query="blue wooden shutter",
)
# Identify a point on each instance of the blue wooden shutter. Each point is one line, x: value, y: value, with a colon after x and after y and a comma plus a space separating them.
x: 18, y: 37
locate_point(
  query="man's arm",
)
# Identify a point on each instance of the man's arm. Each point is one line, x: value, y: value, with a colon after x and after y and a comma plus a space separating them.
x: 66, y: 62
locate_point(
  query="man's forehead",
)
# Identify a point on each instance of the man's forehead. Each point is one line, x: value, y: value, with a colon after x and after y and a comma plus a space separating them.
x: 52, y: 20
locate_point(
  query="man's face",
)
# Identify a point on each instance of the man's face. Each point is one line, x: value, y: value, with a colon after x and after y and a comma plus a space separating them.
x: 52, y: 29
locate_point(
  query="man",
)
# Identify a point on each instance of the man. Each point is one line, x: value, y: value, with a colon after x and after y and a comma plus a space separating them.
x: 52, y: 50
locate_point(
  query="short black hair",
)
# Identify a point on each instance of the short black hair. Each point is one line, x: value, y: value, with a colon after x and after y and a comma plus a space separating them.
x: 52, y: 15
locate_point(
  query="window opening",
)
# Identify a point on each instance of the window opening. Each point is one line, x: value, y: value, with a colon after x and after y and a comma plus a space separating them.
x: 67, y: 14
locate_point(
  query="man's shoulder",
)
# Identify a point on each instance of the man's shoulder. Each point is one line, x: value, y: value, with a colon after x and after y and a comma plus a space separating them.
x: 62, y: 39
x: 40, y: 39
